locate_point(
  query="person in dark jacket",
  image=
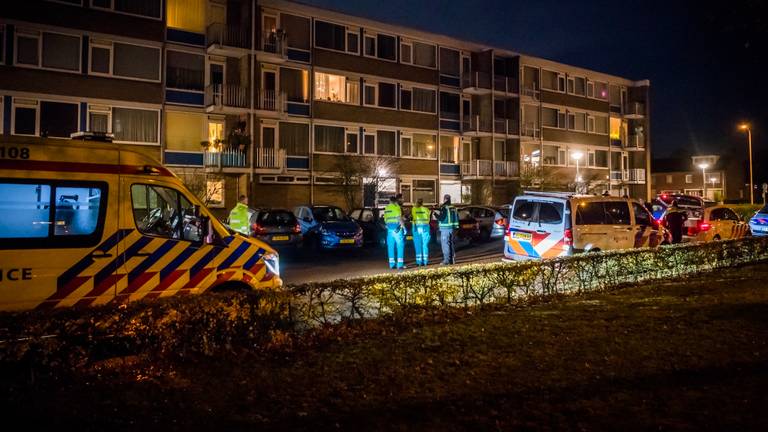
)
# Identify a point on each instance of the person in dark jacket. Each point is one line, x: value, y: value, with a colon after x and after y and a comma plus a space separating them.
x: 675, y: 219
x: 448, y: 223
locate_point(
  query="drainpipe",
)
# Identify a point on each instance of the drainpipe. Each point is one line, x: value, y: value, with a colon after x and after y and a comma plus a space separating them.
x: 251, y: 84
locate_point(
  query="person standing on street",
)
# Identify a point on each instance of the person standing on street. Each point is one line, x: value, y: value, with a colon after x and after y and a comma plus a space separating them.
x: 393, y: 219
x: 420, y: 231
x: 239, y: 216
x: 448, y: 222
x: 675, y: 219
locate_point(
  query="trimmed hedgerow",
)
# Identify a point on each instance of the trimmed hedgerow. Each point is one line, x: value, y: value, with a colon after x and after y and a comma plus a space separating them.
x: 212, y: 324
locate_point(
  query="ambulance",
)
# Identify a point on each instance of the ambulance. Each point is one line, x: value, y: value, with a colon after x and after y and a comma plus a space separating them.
x: 553, y: 224
x: 86, y: 223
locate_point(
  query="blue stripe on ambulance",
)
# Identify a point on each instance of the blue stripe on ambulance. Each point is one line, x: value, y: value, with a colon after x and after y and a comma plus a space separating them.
x: 86, y: 262
x: 178, y: 261
x: 112, y: 267
x: 151, y: 259
x: 237, y: 253
x: 253, y: 260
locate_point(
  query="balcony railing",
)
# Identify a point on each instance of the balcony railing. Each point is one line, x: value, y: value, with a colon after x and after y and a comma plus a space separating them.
x: 226, y: 95
x: 477, y: 167
x: 506, y: 126
x: 274, y: 42
x: 636, y: 141
x: 634, y: 109
x: 505, y: 84
x: 530, y: 130
x: 476, y: 123
x: 506, y: 168
x: 228, y: 35
x: 479, y: 80
x: 184, y: 78
x: 227, y: 158
x: 636, y: 175
x: 270, y: 100
x: 621, y: 175
x: 268, y: 157
x: 530, y: 90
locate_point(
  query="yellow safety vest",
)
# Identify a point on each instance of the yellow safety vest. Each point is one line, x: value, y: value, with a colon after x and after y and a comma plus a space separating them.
x: 392, y: 214
x: 420, y: 215
x: 238, y: 219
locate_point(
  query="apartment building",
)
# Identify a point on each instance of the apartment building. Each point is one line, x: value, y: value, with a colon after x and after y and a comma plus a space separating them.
x: 718, y: 178
x: 293, y: 104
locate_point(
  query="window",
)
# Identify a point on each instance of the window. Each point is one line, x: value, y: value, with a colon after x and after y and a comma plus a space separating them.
x: 615, y: 132
x: 419, y: 146
x: 48, y: 50
x: 329, y: 139
x: 590, y: 89
x: 299, y: 30
x: 164, y: 212
x: 601, y: 159
x: 614, y: 95
x: 370, y: 46
x: 571, y: 85
x: 353, y: 42
x: 185, y: 71
x: 2, y: 44
x: 135, y: 125
x: 45, y: 214
x: 370, y: 95
x: 590, y: 124
x: 387, y: 95
x: 601, y: 125
x: 25, y: 117
x: 135, y: 61
x: 551, y: 117
x: 386, y: 47
x: 524, y: 210
x: 406, y: 50
x: 577, y: 121
x: 58, y: 119
x: 27, y: 48
x: 295, y: 84
x: 617, y: 213
x: 351, y: 145
x: 541, y: 212
x: 450, y: 106
x: 369, y: 143
x: 406, y: 96
x: 689, y: 178
x: 424, y: 189
x: 424, y: 55
x: 579, y: 86
x: 336, y: 88
x: 449, y: 149
x: 147, y: 8
x: 601, y: 90
x: 101, y: 57
x: 294, y: 138
x: 590, y: 213
x: 424, y: 100
x: 331, y: 36
x: 214, y: 193
x: 552, y: 80
x: 450, y: 64
x: 642, y: 217
x: 553, y: 155
x: 406, y: 145
x: 386, y: 143
x: 99, y: 118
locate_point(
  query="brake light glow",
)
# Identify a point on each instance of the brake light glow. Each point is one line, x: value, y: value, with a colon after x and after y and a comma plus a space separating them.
x: 297, y: 229
x: 703, y: 226
x: 257, y: 229
x: 501, y: 222
x: 568, y: 237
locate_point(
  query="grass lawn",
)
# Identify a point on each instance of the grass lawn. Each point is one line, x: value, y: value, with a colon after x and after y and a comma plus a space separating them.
x: 675, y: 356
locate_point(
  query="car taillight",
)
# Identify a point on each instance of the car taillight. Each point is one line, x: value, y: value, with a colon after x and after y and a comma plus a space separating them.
x: 568, y: 237
x: 703, y: 226
x: 297, y: 229
x: 257, y: 229
x: 501, y: 222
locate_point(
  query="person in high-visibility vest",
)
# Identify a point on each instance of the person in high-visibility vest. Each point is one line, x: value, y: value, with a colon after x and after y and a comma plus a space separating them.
x: 448, y: 222
x: 239, y: 217
x: 393, y: 219
x: 420, y: 231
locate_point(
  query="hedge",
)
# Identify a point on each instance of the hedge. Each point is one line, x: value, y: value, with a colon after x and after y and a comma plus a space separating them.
x: 269, y: 322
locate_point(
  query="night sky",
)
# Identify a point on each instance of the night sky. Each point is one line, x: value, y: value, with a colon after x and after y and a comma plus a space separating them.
x: 702, y: 61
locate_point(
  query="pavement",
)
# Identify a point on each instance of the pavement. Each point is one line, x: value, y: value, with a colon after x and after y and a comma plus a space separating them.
x: 302, y: 267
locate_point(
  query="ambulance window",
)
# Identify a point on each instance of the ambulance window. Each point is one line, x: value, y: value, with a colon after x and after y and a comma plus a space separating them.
x: 155, y: 210
x: 24, y: 210
x: 77, y: 210
x: 550, y: 213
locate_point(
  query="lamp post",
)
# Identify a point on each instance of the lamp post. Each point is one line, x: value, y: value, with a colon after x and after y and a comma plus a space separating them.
x: 746, y: 127
x: 704, y: 167
x: 577, y: 155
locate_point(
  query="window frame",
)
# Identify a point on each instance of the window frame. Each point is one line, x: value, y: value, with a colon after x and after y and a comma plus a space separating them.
x: 369, y: 133
x: 409, y: 134
x: 164, y: 66
x: 397, y: 142
x: 366, y: 36
x: 351, y: 132
x: 347, y: 80
x: 159, y: 128
x: 26, y: 32
x: 179, y: 194
x: 412, y: 44
x: 25, y: 103
x: 111, y: 9
x: 61, y: 242
x: 102, y: 43
x: 314, y: 149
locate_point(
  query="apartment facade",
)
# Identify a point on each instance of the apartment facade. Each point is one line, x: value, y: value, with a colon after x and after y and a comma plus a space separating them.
x: 723, y: 178
x: 292, y: 104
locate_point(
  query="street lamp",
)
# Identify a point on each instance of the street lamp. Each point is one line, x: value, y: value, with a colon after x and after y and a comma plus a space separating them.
x: 746, y: 127
x: 704, y: 167
x: 577, y: 155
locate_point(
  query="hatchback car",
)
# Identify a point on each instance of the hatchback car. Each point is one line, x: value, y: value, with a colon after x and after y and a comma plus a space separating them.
x: 469, y: 228
x: 277, y: 227
x: 486, y: 218
x: 719, y: 223
x: 758, y: 224
x: 328, y: 227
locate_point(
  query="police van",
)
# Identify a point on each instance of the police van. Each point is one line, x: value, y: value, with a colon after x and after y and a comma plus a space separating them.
x: 553, y: 224
x: 87, y: 223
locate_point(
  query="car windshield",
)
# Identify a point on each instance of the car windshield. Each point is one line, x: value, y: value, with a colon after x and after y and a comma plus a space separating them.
x: 329, y: 214
x: 277, y: 217
x: 688, y: 202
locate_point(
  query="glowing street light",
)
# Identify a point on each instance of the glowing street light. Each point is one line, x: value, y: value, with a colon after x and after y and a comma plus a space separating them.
x: 577, y: 155
x: 704, y: 167
x: 748, y: 128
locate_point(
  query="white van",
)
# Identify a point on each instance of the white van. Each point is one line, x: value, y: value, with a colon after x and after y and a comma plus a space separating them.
x: 552, y: 224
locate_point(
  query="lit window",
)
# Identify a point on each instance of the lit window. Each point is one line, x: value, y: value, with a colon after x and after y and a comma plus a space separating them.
x: 187, y: 15
x: 336, y: 88
x: 214, y: 193
x: 615, y: 128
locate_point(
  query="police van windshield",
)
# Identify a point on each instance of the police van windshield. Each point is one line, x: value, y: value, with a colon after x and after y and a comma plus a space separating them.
x: 329, y: 214
x: 538, y: 211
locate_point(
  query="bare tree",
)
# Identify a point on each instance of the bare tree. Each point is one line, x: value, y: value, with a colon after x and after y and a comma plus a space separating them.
x: 197, y: 181
x: 355, y: 174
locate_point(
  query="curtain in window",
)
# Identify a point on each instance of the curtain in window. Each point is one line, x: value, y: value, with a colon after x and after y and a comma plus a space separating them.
x: 296, y: 30
x: 424, y: 55
x: 449, y: 62
x: 186, y: 15
x: 99, y: 122
x: 61, y: 51
x: 448, y: 148
x: 185, y: 71
x: 136, y: 61
x: 184, y: 131
x: 329, y: 139
x: 385, y: 143
x: 423, y: 145
x: 295, y: 84
x: 134, y: 125
x: 424, y: 100
x: 294, y: 139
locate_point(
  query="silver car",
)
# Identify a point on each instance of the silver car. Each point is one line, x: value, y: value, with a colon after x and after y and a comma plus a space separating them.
x: 487, y: 217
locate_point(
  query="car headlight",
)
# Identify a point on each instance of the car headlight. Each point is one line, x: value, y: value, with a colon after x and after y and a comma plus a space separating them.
x: 272, y: 261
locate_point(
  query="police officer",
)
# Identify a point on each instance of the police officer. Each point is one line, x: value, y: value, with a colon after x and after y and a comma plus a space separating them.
x: 420, y: 230
x: 393, y: 219
x: 238, y: 217
x: 675, y: 219
x: 448, y: 222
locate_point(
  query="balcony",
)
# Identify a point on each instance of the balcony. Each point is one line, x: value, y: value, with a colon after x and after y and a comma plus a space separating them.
x: 503, y: 126
x: 477, y: 126
x: 477, y: 168
x: 529, y: 131
x: 268, y: 159
x: 530, y: 92
x: 269, y: 103
x: 634, y: 110
x: 619, y: 176
x: 226, y: 99
x: 506, y: 169
x: 227, y: 160
x: 227, y: 40
x: 636, y: 142
x: 478, y: 83
x: 504, y: 84
x: 635, y: 175
x: 273, y: 47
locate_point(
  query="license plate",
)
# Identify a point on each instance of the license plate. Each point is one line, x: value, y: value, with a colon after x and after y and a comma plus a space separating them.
x: 467, y: 226
x: 409, y: 238
x: 347, y: 241
x: 280, y: 238
x: 522, y: 236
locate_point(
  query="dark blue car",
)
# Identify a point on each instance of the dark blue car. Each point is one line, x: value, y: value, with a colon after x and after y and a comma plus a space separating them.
x: 328, y: 227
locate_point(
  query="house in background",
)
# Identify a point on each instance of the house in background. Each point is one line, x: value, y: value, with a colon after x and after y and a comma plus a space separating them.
x: 725, y: 177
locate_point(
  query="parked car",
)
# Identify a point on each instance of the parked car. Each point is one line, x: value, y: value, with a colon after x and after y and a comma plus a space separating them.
x: 693, y: 207
x: 277, y: 227
x: 758, y: 224
x: 328, y: 227
x: 486, y: 217
x: 469, y: 227
x: 371, y: 220
x: 719, y: 223
x: 501, y: 224
x: 551, y: 224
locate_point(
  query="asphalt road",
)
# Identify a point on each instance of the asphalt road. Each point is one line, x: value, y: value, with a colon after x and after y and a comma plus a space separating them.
x: 296, y: 268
